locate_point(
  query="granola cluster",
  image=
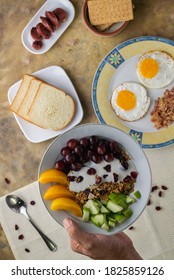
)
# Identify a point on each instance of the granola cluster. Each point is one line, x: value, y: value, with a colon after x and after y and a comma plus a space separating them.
x: 101, y: 191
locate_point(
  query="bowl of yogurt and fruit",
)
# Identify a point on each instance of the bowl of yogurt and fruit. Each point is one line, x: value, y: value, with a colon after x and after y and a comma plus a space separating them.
x: 98, y: 176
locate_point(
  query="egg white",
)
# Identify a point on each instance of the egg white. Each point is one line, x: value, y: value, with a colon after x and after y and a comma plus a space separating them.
x: 142, y: 101
x: 165, y: 73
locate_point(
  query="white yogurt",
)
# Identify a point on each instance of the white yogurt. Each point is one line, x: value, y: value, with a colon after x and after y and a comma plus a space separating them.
x: 89, y: 180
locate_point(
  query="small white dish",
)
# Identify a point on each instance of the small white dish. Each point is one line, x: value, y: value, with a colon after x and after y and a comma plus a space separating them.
x: 56, y: 76
x: 138, y: 159
x: 49, y: 5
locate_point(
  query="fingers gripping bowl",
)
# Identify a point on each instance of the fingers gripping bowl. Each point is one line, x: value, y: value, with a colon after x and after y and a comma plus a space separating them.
x: 137, y: 164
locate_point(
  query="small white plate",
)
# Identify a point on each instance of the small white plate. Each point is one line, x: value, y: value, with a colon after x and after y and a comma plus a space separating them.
x: 49, y: 5
x: 138, y: 159
x: 56, y: 76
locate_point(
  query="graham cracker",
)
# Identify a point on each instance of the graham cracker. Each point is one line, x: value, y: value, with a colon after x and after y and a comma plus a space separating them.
x: 103, y: 27
x: 109, y: 11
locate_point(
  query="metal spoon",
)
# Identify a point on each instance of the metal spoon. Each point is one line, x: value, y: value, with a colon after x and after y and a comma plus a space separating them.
x: 18, y: 205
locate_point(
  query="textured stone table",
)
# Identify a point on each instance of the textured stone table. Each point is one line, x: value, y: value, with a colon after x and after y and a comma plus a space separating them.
x: 79, y: 52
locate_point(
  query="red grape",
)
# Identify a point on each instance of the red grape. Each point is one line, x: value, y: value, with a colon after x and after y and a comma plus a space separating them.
x: 60, y: 165
x: 72, y: 143
x: 84, y: 141
x: 109, y: 157
x: 96, y: 158
x: 65, y: 151
x: 101, y: 149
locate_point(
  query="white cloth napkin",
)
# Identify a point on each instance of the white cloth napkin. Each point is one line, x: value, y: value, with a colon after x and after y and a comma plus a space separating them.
x: 152, y: 233
x: 32, y: 240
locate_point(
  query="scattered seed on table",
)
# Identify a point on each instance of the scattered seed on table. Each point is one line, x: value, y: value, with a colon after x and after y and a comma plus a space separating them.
x: 164, y: 187
x: 27, y: 250
x: 149, y: 202
x: 158, y: 208
x: 131, y: 228
x: 7, y: 181
x: 160, y: 194
x: 16, y: 227
x: 32, y: 202
x: 21, y: 237
x: 154, y: 188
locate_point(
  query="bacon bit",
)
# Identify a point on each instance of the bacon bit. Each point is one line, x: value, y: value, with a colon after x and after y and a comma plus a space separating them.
x: 158, y: 208
x: 162, y: 114
x: 154, y: 188
x: 131, y: 228
x: 160, y: 194
x: 7, y: 181
x: 164, y: 187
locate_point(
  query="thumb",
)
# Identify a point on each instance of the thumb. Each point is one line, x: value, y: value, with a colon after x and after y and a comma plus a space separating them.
x: 78, y: 237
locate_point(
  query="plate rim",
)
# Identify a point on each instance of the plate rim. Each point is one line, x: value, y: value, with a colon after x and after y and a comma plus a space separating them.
x: 52, y: 136
x: 73, y: 217
x: 37, y: 12
x: 98, y: 72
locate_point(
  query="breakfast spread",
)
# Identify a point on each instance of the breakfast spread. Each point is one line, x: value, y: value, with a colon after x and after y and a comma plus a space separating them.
x: 42, y: 104
x: 162, y: 114
x: 48, y: 24
x: 109, y: 11
x: 94, y: 176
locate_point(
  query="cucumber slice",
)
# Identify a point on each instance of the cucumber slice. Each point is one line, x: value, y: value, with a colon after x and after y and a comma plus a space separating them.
x: 115, y: 197
x: 111, y: 224
x: 137, y: 194
x: 114, y: 207
x: 91, y: 205
x: 128, y: 212
x: 129, y: 199
x: 104, y: 202
x: 94, y: 221
x: 86, y: 212
x: 122, y: 203
x: 120, y: 218
x: 104, y: 210
x: 105, y: 226
x: 99, y: 203
x: 100, y: 219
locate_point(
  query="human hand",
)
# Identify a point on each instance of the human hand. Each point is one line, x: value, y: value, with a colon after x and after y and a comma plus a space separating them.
x: 100, y: 246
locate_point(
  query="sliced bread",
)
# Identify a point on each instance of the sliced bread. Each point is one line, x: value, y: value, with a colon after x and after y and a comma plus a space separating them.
x: 21, y: 92
x: 51, y: 108
x: 28, y: 98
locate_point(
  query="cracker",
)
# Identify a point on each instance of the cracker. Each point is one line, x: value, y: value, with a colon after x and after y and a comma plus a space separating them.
x: 109, y: 11
x: 103, y: 27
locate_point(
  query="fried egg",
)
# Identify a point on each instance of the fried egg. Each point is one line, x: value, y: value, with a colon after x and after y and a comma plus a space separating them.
x: 155, y: 69
x: 130, y: 101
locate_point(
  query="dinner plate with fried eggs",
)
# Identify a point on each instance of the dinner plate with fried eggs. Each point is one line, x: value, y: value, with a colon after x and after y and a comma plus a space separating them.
x: 127, y: 85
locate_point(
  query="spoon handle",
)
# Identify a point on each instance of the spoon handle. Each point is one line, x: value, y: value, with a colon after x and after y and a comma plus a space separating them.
x: 50, y: 244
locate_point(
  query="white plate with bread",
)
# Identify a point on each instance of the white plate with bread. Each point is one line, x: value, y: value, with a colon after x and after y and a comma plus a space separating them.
x: 45, y: 104
x: 47, y: 25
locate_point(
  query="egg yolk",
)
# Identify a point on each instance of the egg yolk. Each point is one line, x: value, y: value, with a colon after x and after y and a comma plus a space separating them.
x: 126, y: 100
x: 149, y: 68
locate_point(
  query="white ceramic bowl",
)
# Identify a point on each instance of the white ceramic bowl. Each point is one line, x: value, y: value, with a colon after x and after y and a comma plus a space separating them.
x: 143, y: 183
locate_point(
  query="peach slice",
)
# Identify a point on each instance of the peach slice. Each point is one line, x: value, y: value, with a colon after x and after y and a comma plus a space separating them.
x: 53, y: 175
x: 64, y: 203
x: 57, y: 191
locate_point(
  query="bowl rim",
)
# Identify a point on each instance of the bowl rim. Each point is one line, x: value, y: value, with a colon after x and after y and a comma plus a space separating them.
x: 97, y: 32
